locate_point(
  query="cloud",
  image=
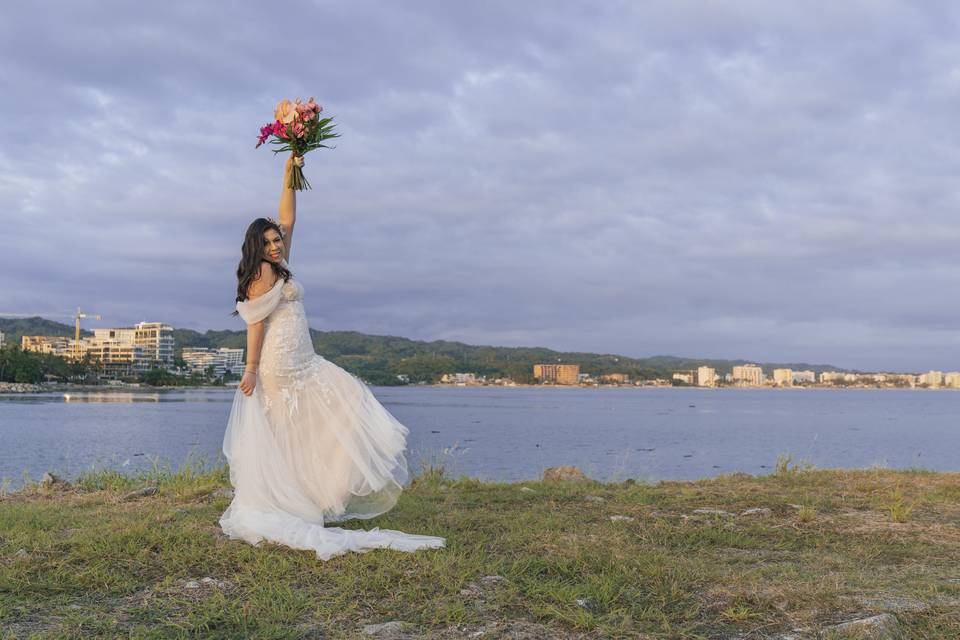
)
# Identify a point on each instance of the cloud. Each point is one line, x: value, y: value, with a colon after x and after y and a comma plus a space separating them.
x: 755, y: 180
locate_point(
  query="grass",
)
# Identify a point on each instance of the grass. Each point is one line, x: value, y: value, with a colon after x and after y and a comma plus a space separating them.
x: 837, y: 545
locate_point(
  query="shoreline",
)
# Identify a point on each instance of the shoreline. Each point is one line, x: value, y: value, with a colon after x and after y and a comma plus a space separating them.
x: 19, y: 388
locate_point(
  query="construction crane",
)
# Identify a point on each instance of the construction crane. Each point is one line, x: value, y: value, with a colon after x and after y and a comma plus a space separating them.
x: 76, y: 318
x: 77, y: 322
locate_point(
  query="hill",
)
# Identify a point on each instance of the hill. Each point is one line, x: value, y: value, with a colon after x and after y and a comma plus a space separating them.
x: 381, y: 359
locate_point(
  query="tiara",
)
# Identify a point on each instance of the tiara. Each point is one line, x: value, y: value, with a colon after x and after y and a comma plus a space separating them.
x: 278, y: 225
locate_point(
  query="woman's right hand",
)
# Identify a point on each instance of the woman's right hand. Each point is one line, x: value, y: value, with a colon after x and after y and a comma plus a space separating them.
x: 248, y: 382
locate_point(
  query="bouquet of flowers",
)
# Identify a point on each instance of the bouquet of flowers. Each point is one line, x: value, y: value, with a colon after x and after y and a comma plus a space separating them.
x: 298, y: 127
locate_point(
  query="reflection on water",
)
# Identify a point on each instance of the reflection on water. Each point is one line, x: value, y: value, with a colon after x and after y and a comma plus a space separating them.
x: 121, y: 397
x: 113, y: 396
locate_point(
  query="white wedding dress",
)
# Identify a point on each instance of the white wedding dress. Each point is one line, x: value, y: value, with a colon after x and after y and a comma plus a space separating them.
x: 311, y: 445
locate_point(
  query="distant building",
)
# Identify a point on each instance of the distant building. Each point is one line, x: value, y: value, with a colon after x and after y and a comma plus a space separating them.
x: 686, y: 377
x: 557, y: 373
x: 932, y: 379
x: 56, y: 345
x: 615, y: 378
x: 2, y: 339
x: 832, y: 377
x: 461, y: 379
x: 951, y: 379
x: 223, y: 360
x: 120, y: 351
x: 156, y: 340
x: 706, y: 377
x: 804, y: 377
x: 749, y: 375
x: 783, y: 377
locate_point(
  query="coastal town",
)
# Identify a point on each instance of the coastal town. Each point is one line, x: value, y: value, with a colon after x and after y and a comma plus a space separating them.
x: 126, y: 354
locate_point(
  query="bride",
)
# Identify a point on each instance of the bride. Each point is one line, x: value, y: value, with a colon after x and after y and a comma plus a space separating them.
x: 307, y: 442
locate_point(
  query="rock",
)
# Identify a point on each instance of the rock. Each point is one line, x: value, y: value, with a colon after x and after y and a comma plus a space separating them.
x: 140, y: 493
x: 527, y: 489
x: 563, y: 472
x: 49, y: 479
x: 223, y: 492
x: 881, y: 627
x: 712, y: 512
x: 213, y: 582
x: 492, y: 580
x: 894, y: 604
x: 191, y: 584
x: 391, y: 629
x: 21, y: 553
x: 594, y: 499
x: 622, y: 518
x: 759, y: 512
x: 585, y: 603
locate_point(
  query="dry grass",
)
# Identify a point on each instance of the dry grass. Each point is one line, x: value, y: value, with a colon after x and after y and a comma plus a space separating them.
x: 836, y: 545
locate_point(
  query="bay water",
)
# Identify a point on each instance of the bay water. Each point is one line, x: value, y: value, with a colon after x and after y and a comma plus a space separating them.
x: 510, y: 434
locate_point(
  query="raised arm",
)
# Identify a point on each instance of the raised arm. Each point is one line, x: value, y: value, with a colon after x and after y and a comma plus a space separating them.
x: 288, y: 205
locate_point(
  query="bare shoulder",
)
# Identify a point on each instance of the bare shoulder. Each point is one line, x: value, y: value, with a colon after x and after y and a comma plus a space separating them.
x: 262, y: 282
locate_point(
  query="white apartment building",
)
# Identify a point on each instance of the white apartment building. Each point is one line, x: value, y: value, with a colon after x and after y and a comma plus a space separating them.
x: 223, y: 360
x: 783, y: 377
x: 684, y: 376
x: 2, y: 339
x: 706, y: 377
x: 951, y: 379
x: 932, y: 379
x: 803, y: 377
x: 749, y: 375
x: 829, y: 377
x: 120, y: 351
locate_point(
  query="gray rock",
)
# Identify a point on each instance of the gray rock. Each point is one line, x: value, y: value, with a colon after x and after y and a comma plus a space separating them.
x: 223, y: 492
x: 527, y: 489
x: 49, y: 479
x: 712, y: 512
x: 585, y: 603
x: 563, y: 473
x: 21, y: 553
x: 140, y: 493
x: 758, y: 512
x: 894, y: 604
x: 391, y: 629
x: 881, y: 627
x: 622, y: 518
x: 491, y: 580
x: 213, y: 582
x: 594, y: 499
x: 191, y: 584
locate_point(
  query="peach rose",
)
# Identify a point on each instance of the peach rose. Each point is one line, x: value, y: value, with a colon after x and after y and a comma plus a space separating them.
x: 286, y: 112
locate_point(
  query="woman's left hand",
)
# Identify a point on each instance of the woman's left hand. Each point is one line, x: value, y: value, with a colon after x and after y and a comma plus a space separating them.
x: 294, y: 160
x: 248, y: 382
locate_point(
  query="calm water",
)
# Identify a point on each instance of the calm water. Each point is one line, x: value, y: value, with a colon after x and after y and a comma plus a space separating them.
x: 513, y: 433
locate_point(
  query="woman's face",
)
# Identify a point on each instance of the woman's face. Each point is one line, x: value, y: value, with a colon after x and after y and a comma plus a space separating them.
x: 272, y: 246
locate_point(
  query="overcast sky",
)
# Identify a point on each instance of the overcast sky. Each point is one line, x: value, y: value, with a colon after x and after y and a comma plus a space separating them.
x: 759, y: 180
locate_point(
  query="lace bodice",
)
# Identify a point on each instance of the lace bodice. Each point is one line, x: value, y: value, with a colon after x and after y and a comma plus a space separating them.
x: 287, y: 347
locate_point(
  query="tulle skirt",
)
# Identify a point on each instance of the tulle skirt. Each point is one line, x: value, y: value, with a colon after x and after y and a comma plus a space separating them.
x: 309, y: 447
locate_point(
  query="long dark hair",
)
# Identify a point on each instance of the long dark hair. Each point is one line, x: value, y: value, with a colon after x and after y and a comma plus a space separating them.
x: 252, y: 256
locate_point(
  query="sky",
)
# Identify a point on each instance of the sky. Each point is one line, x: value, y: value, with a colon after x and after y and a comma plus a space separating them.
x: 768, y: 181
